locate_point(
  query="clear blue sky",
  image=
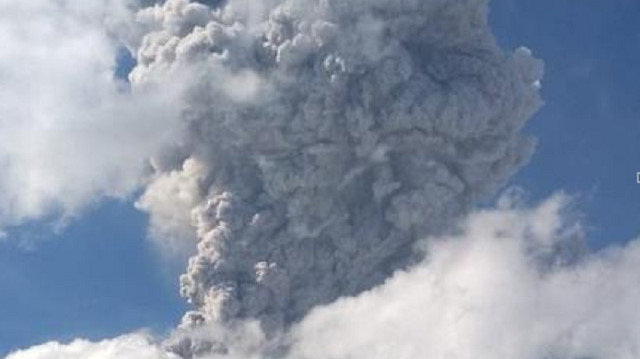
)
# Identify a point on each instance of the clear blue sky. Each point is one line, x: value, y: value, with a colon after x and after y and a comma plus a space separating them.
x: 589, y: 128
x: 589, y: 146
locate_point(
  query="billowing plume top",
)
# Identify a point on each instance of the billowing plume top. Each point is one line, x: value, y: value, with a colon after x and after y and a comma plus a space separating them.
x: 328, y: 136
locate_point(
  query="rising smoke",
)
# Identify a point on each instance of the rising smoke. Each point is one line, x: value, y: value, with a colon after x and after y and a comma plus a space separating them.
x: 325, y: 138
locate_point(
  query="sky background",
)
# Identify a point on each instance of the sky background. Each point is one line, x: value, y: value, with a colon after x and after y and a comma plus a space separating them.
x: 588, y: 146
x: 588, y: 130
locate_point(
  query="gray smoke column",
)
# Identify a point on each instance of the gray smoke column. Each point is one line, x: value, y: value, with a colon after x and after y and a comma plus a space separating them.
x: 325, y: 137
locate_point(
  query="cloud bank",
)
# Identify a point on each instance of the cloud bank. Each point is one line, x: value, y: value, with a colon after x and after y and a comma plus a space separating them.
x: 491, y: 293
x: 134, y: 346
x: 485, y: 293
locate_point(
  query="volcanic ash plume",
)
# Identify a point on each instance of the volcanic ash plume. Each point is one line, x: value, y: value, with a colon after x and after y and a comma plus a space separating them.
x: 325, y: 137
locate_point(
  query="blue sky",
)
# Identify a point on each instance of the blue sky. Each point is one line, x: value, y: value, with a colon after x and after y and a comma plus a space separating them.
x: 588, y: 135
x: 588, y: 130
x: 68, y: 286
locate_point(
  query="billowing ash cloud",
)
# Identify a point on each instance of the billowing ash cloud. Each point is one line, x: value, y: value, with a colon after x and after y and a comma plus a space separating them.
x: 328, y: 136
x: 480, y: 294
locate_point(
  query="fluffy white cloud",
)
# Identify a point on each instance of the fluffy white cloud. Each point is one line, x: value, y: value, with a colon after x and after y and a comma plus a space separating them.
x: 133, y: 346
x: 169, y: 200
x: 70, y: 133
x: 493, y: 292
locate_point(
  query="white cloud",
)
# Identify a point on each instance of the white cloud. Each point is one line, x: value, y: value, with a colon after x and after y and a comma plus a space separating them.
x: 134, y: 346
x: 69, y: 132
x: 169, y: 199
x: 486, y: 295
